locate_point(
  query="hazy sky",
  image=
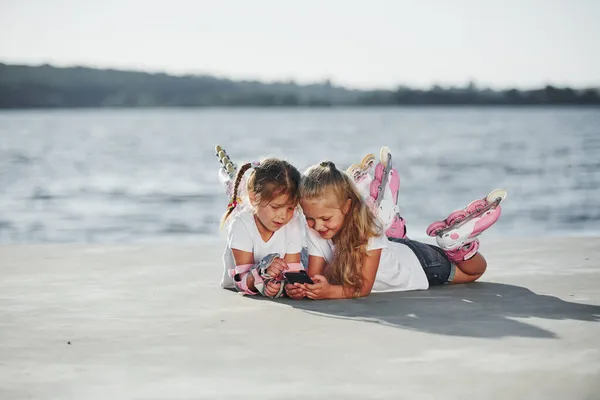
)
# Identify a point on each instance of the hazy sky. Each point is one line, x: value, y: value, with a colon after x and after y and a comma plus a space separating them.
x: 370, y: 43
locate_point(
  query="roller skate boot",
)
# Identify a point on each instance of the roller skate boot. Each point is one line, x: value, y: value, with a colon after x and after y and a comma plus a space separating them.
x: 386, y: 186
x: 381, y: 191
x: 361, y: 174
x: 458, y: 234
x: 226, y: 164
x: 227, y: 171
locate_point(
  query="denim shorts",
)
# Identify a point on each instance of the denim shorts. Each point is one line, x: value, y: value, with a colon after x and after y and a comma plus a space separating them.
x: 304, y: 257
x: 438, y: 268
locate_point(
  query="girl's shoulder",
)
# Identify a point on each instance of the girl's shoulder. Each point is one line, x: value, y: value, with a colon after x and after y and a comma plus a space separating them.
x: 242, y: 218
x: 244, y: 214
x: 377, y: 242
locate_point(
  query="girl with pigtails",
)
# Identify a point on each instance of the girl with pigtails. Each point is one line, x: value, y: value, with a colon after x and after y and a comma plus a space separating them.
x: 264, y: 228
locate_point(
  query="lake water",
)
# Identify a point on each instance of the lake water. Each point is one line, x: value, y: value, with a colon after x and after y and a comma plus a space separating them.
x: 143, y: 175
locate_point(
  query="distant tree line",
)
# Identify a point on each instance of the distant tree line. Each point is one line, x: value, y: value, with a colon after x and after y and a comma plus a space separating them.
x: 46, y: 87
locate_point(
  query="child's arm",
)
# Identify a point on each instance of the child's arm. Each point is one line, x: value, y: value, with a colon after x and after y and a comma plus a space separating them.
x: 293, y: 244
x: 316, y: 265
x: 293, y: 261
x: 240, y: 241
x: 323, y: 290
x: 244, y: 258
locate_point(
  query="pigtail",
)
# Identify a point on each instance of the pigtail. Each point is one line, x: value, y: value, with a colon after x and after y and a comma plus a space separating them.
x: 234, y: 196
x: 270, y: 177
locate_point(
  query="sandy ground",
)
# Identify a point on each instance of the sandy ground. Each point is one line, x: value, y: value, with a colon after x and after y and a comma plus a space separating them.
x: 150, y: 322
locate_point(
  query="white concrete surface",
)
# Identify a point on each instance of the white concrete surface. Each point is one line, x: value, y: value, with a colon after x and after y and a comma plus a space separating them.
x: 150, y: 322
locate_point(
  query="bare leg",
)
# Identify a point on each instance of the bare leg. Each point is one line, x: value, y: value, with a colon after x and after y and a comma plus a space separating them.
x: 470, y: 270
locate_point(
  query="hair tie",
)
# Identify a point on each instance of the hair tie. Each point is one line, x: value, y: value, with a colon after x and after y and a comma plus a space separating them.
x: 232, y: 204
x: 255, y: 164
x: 327, y: 164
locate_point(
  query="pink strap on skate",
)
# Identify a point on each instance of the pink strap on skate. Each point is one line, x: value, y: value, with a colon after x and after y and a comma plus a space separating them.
x: 463, y: 253
x: 472, y: 250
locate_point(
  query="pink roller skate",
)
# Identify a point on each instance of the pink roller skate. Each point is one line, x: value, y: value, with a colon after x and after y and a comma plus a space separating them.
x: 361, y: 174
x: 381, y: 191
x: 457, y: 234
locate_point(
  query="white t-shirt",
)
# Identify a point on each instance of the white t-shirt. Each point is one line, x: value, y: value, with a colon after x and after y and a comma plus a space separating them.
x: 243, y: 234
x: 399, y: 268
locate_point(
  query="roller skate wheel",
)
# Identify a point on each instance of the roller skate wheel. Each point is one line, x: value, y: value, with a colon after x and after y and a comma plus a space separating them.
x: 351, y: 168
x: 383, y: 154
x: 355, y: 171
x: 435, y: 228
x: 367, y: 161
x: 222, y: 155
x: 456, y: 217
x: 496, y: 194
x: 218, y: 149
x: 476, y: 206
x: 229, y: 167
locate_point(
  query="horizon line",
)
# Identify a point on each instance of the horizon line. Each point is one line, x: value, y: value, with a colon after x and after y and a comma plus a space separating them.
x: 323, y: 81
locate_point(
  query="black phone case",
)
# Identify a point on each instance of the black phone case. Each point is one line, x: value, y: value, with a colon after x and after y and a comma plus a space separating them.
x: 298, y: 277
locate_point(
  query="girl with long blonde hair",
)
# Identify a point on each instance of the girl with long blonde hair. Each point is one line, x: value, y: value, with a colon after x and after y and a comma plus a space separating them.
x: 350, y: 254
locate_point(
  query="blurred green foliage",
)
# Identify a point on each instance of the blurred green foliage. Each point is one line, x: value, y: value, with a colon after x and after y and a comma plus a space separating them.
x: 47, y: 86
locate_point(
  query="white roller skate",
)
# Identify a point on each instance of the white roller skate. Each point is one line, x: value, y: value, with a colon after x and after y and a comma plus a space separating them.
x: 457, y: 234
x: 381, y: 190
x: 361, y: 173
x: 228, y: 170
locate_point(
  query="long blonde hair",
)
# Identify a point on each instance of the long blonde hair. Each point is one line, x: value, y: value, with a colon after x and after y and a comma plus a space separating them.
x: 360, y: 224
x: 268, y: 179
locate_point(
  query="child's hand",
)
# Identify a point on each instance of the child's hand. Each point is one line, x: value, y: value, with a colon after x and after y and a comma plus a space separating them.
x: 277, y: 267
x: 320, y: 289
x: 272, y: 288
x: 295, y: 291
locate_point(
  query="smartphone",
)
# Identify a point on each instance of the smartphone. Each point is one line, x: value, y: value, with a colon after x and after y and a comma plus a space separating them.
x: 298, y: 277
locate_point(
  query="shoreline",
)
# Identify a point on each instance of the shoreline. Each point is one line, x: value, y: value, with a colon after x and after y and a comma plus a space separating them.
x: 306, y: 107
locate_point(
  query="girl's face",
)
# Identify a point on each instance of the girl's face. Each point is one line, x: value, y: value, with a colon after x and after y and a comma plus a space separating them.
x: 275, y: 213
x: 325, y: 215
